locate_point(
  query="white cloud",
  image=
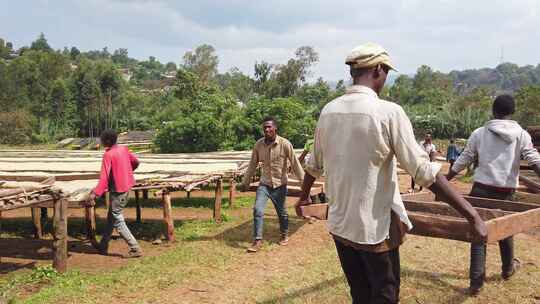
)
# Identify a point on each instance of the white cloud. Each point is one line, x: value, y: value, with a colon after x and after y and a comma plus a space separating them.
x: 441, y: 33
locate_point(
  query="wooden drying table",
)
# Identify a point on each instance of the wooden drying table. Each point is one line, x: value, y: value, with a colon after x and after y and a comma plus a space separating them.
x: 183, y: 182
x: 438, y: 219
x: 44, y: 197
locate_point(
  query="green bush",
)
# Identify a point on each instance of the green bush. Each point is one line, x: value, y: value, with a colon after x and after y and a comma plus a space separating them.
x: 16, y: 127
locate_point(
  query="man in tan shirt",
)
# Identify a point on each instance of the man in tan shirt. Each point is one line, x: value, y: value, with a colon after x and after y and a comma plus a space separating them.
x: 275, y: 153
x: 358, y: 139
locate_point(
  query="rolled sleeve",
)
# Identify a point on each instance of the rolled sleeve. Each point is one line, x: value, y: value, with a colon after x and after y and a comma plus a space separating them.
x: 253, y: 162
x: 412, y: 158
x: 315, y: 164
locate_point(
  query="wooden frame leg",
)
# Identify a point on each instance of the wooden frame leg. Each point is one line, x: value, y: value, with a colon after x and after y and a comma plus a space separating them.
x: 217, y: 203
x: 107, y: 200
x: 232, y: 192
x: 138, y: 206
x: 90, y: 217
x: 60, y: 247
x: 145, y: 194
x: 167, y: 216
x: 36, y: 219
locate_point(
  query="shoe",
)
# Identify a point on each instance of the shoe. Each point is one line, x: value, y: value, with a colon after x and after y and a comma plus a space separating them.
x: 103, y: 250
x: 284, y: 240
x: 516, y: 264
x: 134, y: 253
x: 474, y: 290
x: 256, y: 246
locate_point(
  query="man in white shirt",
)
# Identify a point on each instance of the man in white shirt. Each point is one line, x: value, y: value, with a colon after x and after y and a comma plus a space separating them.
x: 357, y: 141
x: 498, y: 147
x: 431, y: 151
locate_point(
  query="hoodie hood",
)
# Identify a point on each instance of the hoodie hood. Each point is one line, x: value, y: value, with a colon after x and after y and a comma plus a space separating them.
x: 507, y: 130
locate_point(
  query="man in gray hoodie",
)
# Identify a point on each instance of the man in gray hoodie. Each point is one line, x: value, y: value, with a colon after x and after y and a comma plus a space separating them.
x: 498, y: 147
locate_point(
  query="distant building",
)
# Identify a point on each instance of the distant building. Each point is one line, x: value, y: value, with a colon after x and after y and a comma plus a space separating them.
x: 126, y: 73
x: 169, y: 75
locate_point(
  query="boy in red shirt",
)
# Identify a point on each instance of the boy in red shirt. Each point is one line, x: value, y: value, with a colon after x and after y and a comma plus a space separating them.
x: 117, y: 178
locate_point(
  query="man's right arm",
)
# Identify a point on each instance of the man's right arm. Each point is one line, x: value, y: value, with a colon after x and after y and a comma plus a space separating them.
x: 417, y: 164
x: 465, y: 159
x: 254, y: 161
x: 529, y: 153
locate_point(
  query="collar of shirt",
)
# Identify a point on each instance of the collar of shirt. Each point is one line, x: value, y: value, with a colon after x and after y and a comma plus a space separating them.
x: 275, y: 142
x: 361, y: 89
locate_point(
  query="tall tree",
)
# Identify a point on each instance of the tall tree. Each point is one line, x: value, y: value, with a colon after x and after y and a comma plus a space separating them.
x: 203, y: 62
x: 41, y: 44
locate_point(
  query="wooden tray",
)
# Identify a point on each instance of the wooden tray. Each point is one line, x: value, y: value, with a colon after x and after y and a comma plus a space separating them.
x: 438, y: 219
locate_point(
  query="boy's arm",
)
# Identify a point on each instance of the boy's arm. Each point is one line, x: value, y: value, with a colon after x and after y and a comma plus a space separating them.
x: 295, y: 163
x: 251, y: 168
x: 466, y: 157
x: 133, y: 160
x: 103, y: 182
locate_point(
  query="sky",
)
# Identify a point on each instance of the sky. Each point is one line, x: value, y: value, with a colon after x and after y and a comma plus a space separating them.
x: 446, y: 35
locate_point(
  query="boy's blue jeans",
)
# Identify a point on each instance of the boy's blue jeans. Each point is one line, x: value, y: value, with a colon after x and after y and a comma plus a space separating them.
x: 115, y: 219
x: 277, y: 196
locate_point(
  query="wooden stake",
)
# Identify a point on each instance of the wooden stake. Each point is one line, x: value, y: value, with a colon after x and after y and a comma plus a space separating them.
x: 145, y: 194
x: 217, y: 203
x: 138, y: 206
x: 36, y: 219
x: 107, y: 200
x: 90, y: 217
x: 60, y: 235
x: 167, y: 216
x: 232, y: 192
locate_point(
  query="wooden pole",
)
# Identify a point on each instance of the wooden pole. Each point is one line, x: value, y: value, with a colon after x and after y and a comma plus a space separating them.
x: 90, y: 216
x: 138, y: 206
x: 167, y: 215
x: 60, y: 235
x: 188, y: 194
x: 145, y: 194
x: 232, y: 192
x: 107, y: 200
x: 217, y: 203
x: 36, y: 219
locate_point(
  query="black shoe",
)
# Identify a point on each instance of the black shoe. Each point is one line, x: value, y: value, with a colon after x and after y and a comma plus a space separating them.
x: 103, y: 250
x: 516, y: 264
x: 475, y: 289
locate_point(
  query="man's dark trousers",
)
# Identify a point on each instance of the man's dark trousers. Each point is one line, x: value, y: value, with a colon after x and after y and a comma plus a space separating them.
x: 477, y: 272
x: 373, y: 277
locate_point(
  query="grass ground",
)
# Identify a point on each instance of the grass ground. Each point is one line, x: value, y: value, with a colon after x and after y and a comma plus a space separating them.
x: 208, y: 264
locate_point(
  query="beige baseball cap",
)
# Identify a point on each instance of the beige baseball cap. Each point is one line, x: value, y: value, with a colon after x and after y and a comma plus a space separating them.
x: 369, y: 55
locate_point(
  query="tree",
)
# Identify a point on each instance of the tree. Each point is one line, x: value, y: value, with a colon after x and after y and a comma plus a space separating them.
x: 41, y: 44
x: 203, y: 62
x: 528, y: 105
x: 74, y: 53
x: 120, y: 56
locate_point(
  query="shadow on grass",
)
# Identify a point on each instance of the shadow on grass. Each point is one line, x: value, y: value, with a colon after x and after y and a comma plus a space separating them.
x: 192, y: 202
x: 305, y: 291
x: 6, y: 268
x: 242, y: 234
x: 436, y: 281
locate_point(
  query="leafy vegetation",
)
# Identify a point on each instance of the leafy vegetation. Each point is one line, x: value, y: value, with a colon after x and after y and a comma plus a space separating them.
x: 50, y: 94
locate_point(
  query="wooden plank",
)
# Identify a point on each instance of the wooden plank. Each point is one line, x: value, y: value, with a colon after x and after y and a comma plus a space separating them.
x: 36, y: 220
x: 293, y: 191
x: 90, y: 222
x: 440, y: 226
x: 531, y: 184
x: 217, y: 202
x: 499, y: 204
x: 319, y: 211
x: 503, y: 227
x: 138, y: 206
x: 60, y: 235
x: 167, y: 216
x: 527, y: 197
x: 445, y: 209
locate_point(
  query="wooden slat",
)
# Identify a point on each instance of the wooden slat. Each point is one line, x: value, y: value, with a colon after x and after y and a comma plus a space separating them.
x: 217, y: 202
x: 531, y: 185
x: 319, y: 211
x: 445, y: 209
x: 499, y: 204
x: 440, y: 226
x: 503, y: 227
x: 167, y: 216
x: 60, y: 235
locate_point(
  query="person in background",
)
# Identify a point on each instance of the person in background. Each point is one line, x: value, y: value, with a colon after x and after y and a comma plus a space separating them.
x: 275, y: 153
x: 497, y: 147
x: 452, y: 153
x: 358, y: 139
x: 117, y: 178
x: 430, y: 148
